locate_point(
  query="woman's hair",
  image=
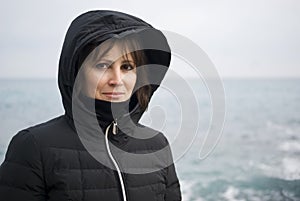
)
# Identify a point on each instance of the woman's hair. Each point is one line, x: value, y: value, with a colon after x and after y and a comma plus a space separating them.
x: 130, y: 46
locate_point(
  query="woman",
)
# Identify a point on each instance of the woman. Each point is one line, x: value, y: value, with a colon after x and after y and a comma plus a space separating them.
x: 110, y: 66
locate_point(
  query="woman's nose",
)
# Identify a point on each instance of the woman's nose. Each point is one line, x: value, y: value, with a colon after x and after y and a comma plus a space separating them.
x: 115, y: 77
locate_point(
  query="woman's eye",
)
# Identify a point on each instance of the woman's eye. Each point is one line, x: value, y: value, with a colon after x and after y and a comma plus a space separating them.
x: 127, y: 67
x: 102, y: 65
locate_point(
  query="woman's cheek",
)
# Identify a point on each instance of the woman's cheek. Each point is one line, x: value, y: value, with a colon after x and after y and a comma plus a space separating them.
x: 131, y: 79
x: 93, y: 82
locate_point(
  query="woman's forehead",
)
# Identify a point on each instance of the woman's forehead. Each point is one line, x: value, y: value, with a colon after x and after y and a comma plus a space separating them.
x: 114, y: 53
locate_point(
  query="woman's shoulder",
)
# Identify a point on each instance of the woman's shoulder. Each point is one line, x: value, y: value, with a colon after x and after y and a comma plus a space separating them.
x: 27, y: 147
x: 48, y: 125
x: 46, y: 133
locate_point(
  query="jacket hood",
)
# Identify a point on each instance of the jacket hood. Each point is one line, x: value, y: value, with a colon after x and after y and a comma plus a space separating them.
x: 92, y: 28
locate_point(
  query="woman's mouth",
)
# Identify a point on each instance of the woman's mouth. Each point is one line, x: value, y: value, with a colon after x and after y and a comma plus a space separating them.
x: 113, y: 95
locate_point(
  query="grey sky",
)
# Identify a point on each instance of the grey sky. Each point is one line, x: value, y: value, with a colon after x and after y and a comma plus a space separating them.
x: 257, y: 38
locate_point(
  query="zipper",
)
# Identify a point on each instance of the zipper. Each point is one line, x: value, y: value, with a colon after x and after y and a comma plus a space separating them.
x: 115, y: 126
x: 120, y: 175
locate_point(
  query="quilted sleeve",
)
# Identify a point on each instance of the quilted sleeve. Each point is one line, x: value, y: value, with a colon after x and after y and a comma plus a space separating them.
x: 173, y: 188
x: 21, y: 174
x: 173, y: 192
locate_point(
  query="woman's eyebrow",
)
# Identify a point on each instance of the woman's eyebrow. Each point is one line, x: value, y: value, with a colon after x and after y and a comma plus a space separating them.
x: 128, y: 61
x: 105, y: 60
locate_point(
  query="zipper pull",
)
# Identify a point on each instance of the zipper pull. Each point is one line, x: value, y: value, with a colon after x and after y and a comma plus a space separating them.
x: 115, y: 127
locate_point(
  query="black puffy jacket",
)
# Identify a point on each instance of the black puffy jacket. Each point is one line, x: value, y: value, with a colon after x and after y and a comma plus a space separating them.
x: 53, y: 161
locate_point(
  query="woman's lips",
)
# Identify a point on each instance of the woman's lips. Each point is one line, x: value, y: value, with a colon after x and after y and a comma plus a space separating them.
x: 113, y: 95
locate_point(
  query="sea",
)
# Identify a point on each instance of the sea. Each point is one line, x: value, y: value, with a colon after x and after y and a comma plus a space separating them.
x: 255, y: 155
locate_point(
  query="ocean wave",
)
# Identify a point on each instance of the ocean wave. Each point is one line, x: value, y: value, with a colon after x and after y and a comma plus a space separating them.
x: 288, y: 169
x: 291, y: 168
x: 231, y: 194
x: 186, y: 189
x: 290, y: 146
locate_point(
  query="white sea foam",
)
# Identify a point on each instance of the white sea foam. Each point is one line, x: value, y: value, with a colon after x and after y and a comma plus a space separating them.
x: 231, y: 193
x: 291, y: 168
x: 199, y: 199
x: 288, y: 169
x: 277, y: 127
x: 186, y: 189
x: 290, y: 146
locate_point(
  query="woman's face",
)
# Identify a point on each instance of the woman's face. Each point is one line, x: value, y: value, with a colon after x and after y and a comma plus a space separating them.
x: 113, y: 75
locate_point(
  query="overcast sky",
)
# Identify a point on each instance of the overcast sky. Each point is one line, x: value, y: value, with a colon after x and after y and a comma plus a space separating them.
x: 253, y: 38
